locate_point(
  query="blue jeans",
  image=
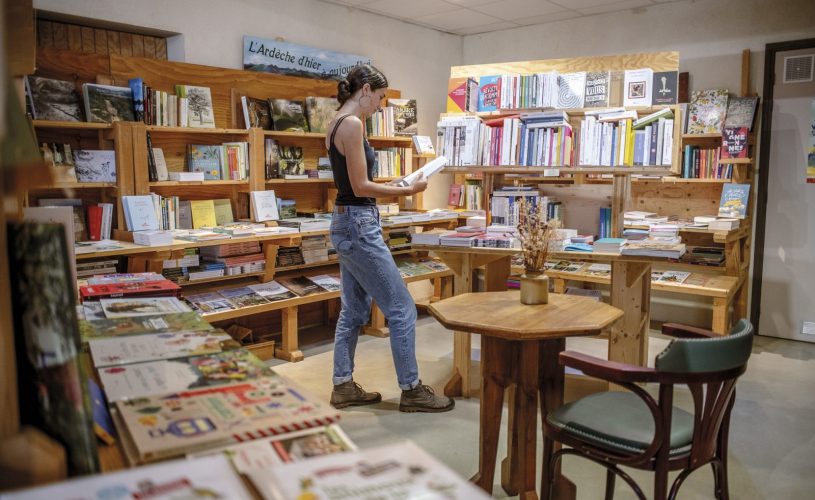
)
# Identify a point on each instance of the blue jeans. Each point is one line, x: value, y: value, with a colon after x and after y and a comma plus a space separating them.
x: 367, y: 271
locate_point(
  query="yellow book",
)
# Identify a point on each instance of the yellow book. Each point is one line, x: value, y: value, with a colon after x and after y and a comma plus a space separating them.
x: 223, y: 211
x: 203, y: 213
x: 629, y: 143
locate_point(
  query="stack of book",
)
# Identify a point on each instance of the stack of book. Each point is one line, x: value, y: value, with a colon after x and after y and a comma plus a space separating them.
x: 305, y: 224
x: 314, y: 249
x: 461, y: 237
x: 289, y: 256
x: 654, y: 248
x: 609, y: 245
x: 227, y: 161
x: 128, y: 285
x: 85, y: 269
x: 391, y: 162
x: 429, y: 237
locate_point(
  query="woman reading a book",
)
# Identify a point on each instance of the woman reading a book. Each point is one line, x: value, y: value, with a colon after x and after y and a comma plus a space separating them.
x: 367, y: 268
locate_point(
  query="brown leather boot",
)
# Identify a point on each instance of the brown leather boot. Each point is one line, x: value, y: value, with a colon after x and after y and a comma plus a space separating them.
x: 422, y: 398
x: 351, y: 394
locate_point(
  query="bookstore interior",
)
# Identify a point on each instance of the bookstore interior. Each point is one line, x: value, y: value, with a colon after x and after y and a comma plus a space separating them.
x: 555, y: 233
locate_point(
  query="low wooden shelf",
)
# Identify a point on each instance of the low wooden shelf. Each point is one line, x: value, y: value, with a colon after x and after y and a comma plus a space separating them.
x: 45, y: 124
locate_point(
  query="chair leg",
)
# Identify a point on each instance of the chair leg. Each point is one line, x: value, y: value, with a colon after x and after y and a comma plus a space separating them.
x: 610, y: 479
x: 547, y: 467
x: 722, y: 491
x: 661, y: 483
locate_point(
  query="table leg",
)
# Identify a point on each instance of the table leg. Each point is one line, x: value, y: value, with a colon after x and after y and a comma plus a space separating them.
x: 497, y: 356
x: 551, y: 393
x: 509, y: 466
x: 459, y: 383
x: 526, y: 407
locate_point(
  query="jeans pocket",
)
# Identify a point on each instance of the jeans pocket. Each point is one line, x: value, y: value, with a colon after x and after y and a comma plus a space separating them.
x: 367, y: 220
x: 341, y: 239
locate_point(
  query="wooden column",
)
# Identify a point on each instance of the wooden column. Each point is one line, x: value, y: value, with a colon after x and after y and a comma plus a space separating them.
x: 619, y: 203
x: 630, y: 291
x: 289, y: 349
x: 377, y: 326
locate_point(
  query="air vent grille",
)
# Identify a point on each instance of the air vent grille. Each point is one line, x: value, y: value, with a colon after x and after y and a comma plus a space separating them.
x: 798, y: 69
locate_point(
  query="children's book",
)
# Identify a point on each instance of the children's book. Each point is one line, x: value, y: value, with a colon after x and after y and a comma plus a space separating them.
x: 172, y: 345
x: 733, y: 203
x: 706, y: 111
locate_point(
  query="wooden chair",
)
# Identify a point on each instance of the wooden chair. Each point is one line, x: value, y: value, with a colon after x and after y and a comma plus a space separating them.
x: 634, y: 429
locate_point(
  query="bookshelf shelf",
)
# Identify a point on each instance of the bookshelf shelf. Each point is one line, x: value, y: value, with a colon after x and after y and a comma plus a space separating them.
x: 197, y: 183
x: 299, y: 181
x: 159, y: 129
x: 425, y: 156
x: 49, y: 124
x: 568, y: 111
x: 736, y: 161
x: 312, y: 265
x: 523, y: 170
x: 407, y: 141
x: 80, y: 185
x: 219, y: 279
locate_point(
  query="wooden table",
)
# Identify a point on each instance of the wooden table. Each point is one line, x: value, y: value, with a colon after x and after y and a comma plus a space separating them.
x: 520, y: 345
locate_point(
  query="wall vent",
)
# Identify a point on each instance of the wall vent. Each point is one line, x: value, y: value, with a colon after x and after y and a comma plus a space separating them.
x: 798, y: 69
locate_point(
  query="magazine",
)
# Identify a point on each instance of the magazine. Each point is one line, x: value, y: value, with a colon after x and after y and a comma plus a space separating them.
x: 145, y: 306
x: 142, y: 348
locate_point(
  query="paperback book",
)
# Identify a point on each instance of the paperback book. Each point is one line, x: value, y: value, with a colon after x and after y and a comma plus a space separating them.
x: 150, y: 306
x: 95, y: 165
x: 159, y: 288
x: 570, y: 90
x: 171, y: 345
x: 291, y: 162
x: 676, y: 277
x: 665, y: 87
x: 706, y: 111
x: 741, y: 112
x: 205, y: 158
x: 242, y: 297
x: 53, y: 99
x: 272, y: 291
x: 489, y: 93
x: 256, y: 113
x: 637, y: 87
x: 271, y: 158
x: 320, y: 111
x: 301, y: 286
x: 208, y: 303
x: 404, y: 116
x: 107, y: 104
x: 327, y: 282
x: 199, y: 105
x: 597, y: 87
x: 139, y: 380
x: 733, y: 203
x: 190, y: 421
x: 94, y: 327
x: 288, y: 115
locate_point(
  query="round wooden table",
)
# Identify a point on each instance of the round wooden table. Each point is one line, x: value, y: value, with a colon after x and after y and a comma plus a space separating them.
x: 520, y: 345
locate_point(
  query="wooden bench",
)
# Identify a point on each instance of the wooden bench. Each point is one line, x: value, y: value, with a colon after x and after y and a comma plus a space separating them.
x: 722, y: 289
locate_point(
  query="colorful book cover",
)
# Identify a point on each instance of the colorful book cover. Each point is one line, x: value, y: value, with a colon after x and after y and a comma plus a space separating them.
x: 327, y: 282
x: 404, y: 116
x: 108, y: 104
x: 53, y: 99
x: 148, y: 306
x: 676, y: 277
x: 489, y: 93
x: 271, y: 158
x: 160, y: 288
x: 570, y: 90
x: 597, y: 89
x: 243, y: 297
x: 741, y: 112
x: 733, y: 203
x: 50, y: 374
x: 93, y: 327
x: 203, y: 213
x: 291, y: 161
x: 320, y: 112
x: 272, y: 291
x: 152, y: 378
x: 706, y: 111
x: 208, y: 303
x: 459, y: 94
x: 206, y: 477
x: 190, y: 421
x: 102, y: 423
x: 171, y: 345
x: 288, y: 115
x: 205, y: 158
x: 664, y: 88
x: 301, y: 286
x: 735, y: 142
x: 291, y: 447
x: 256, y: 113
x: 401, y: 470
x: 199, y: 104
x: 637, y: 87
x: 95, y: 165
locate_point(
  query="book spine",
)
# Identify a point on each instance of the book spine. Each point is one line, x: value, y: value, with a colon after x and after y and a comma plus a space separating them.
x: 151, y: 161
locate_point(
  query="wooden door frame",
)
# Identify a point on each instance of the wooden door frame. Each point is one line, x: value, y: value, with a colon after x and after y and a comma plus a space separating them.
x: 771, y: 49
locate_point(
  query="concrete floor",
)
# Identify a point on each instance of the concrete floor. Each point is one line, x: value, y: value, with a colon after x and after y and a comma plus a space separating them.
x: 772, y: 442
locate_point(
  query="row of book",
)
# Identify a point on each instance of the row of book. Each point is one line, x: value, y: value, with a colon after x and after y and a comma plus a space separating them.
x: 153, y: 212
x: 391, y: 162
x: 79, y: 165
x: 703, y: 163
x: 625, y: 140
x: 505, y: 204
x: 636, y: 87
x: 469, y: 196
x: 398, y: 118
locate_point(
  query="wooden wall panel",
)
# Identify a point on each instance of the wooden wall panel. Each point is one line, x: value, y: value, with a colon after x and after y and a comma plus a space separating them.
x: 113, y: 43
x: 60, y: 32
x: 69, y: 65
x: 45, y: 37
x: 161, y: 49
x: 74, y: 38
x: 90, y: 40
x: 101, y: 37
x: 150, y: 47
x: 126, y: 44
x: 138, y: 46
x: 20, y: 33
x: 683, y: 200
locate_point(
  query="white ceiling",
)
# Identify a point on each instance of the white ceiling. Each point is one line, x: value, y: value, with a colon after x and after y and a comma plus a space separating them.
x: 469, y: 17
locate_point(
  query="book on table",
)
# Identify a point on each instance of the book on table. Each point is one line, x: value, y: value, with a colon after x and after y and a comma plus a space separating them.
x: 157, y: 288
x: 92, y: 327
x: 170, y: 345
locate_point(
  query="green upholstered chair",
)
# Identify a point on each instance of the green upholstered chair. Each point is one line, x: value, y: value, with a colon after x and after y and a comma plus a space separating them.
x: 634, y: 429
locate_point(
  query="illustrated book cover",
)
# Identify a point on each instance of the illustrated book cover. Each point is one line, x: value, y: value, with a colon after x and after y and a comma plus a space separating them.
x: 664, y: 88
x: 170, y: 345
x: 95, y: 165
x: 256, y: 113
x: 205, y: 158
x: 570, y: 90
x: 107, y: 104
x: 53, y: 99
x: 706, y: 111
x: 288, y: 115
x: 404, y: 116
x: 597, y: 89
x: 733, y: 203
x: 199, y: 105
x: 94, y: 328
x: 320, y: 111
x: 148, y: 306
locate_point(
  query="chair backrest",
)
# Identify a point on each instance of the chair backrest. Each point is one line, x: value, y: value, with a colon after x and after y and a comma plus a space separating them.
x: 708, y: 354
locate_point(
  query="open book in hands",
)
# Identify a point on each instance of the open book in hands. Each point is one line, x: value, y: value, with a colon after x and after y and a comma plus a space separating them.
x: 430, y: 169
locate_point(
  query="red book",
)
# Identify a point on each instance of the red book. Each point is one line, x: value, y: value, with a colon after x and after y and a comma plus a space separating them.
x: 162, y: 288
x: 734, y: 142
x: 455, y: 195
x: 95, y: 222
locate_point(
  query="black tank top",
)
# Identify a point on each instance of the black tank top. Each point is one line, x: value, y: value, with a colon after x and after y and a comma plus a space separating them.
x: 345, y: 193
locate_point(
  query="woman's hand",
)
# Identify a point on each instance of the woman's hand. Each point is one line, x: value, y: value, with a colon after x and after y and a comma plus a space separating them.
x: 420, y: 185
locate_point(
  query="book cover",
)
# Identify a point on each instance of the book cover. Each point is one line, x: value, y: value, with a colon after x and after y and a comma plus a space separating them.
x: 637, y: 87
x: 205, y: 158
x: 107, y: 104
x: 733, y: 203
x: 290, y: 447
x: 423, y: 144
x: 401, y: 470
x: 206, y: 477
x: 741, y: 112
x: 320, y: 111
x: 664, y: 88
x: 199, y: 106
x: 735, y: 141
x: 598, y: 269
x: 291, y: 162
x: 223, y: 211
x: 137, y: 87
x: 597, y: 89
x: 140, y: 213
x: 271, y: 158
x: 94, y: 326
x: 256, y: 113
x: 95, y: 165
x: 489, y: 93
x: 264, y: 206
x: 144, y: 306
x: 288, y: 115
x: 459, y: 94
x: 53, y: 99
x: 616, y: 88
x: 50, y: 373
x: 171, y: 345
x: 243, y: 297
x: 301, y: 286
x: 159, y: 288
x: 102, y: 423
x: 570, y: 90
x: 706, y: 111
x: 203, y: 213
x: 208, y: 303
x: 162, y: 173
x: 676, y: 277
x: 327, y: 282
x: 287, y: 209
x: 189, y: 421
x: 272, y: 291
x: 152, y: 378
x: 404, y: 116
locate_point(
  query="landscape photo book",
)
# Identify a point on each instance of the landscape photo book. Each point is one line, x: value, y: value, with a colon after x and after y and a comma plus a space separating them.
x: 51, y: 99
x: 107, y: 104
x: 126, y: 307
x: 95, y: 165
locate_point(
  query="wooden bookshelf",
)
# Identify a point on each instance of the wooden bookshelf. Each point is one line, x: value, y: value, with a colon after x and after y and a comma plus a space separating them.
x: 62, y: 125
x: 160, y: 129
x: 299, y: 181
x: 197, y: 183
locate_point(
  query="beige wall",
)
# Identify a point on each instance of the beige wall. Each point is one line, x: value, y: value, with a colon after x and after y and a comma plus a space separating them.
x: 416, y: 60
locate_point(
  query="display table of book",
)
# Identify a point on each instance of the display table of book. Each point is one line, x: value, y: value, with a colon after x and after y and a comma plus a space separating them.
x: 520, y: 345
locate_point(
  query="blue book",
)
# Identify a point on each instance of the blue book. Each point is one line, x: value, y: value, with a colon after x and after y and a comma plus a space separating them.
x: 137, y: 86
x: 102, y: 423
x: 733, y: 203
x: 639, y: 140
x: 578, y: 247
x: 489, y: 93
x: 205, y: 158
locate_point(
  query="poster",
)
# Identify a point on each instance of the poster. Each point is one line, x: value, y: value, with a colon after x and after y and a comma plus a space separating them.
x: 811, y: 149
x: 272, y: 56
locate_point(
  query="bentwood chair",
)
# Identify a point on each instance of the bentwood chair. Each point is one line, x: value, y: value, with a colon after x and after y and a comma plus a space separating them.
x: 632, y: 428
